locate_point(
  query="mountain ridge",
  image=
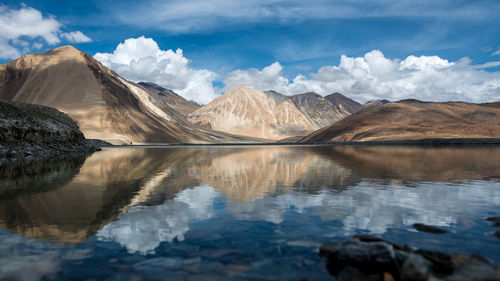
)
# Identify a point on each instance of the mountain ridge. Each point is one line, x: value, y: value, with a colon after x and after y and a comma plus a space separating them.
x: 414, y: 120
x: 105, y: 105
x: 267, y: 114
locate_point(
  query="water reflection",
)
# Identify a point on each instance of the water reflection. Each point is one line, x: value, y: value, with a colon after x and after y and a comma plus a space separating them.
x: 409, y: 163
x: 140, y: 197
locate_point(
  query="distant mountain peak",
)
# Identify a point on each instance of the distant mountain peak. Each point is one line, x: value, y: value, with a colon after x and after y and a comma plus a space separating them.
x: 375, y: 102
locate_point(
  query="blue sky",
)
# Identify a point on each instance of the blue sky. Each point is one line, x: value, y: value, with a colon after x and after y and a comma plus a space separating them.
x: 223, y: 36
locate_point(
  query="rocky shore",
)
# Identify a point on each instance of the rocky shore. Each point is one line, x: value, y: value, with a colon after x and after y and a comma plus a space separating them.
x: 371, y: 258
x: 32, y: 132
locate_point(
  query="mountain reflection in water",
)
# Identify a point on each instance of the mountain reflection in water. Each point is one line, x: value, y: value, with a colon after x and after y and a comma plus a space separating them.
x: 141, y: 197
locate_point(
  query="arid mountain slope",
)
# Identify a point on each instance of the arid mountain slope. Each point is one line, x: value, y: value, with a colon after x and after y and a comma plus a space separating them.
x: 269, y: 115
x: 104, y: 105
x: 344, y: 103
x: 170, y: 99
x: 248, y: 112
x: 320, y: 111
x: 412, y: 119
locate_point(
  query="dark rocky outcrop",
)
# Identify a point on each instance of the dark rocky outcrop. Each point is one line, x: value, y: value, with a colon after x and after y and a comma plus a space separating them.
x: 33, y: 131
x: 372, y: 258
x: 429, y: 228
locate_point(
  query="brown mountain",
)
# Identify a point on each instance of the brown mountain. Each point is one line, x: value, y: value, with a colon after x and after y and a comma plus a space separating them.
x: 344, y: 103
x: 320, y: 111
x: 412, y: 119
x: 248, y: 112
x: 170, y: 98
x: 267, y: 114
x: 104, y: 105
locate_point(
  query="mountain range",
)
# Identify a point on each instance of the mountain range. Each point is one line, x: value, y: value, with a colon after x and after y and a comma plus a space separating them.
x: 269, y: 114
x: 108, y: 107
x: 105, y: 105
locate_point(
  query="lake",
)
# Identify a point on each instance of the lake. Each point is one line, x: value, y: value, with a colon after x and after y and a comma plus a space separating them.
x: 238, y: 212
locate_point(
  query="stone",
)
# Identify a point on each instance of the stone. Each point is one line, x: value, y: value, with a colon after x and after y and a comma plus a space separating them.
x: 379, y: 260
x: 350, y: 273
x: 493, y: 219
x: 388, y: 277
x: 429, y: 228
x: 468, y: 272
x: 415, y: 268
x: 330, y: 250
x: 442, y: 263
x: 497, y: 233
x: 401, y: 257
x: 357, y: 252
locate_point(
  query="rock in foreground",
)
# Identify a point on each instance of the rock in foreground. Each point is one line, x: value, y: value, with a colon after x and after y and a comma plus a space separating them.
x: 371, y: 258
x: 28, y: 130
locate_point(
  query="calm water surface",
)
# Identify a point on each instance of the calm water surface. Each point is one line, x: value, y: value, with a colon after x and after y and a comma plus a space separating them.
x: 245, y: 213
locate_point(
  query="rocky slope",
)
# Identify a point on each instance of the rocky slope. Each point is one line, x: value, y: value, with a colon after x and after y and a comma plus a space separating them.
x: 413, y: 120
x: 374, y: 103
x: 319, y: 110
x: 168, y: 98
x: 344, y: 103
x: 105, y: 106
x: 33, y: 130
x: 248, y: 112
x: 268, y: 115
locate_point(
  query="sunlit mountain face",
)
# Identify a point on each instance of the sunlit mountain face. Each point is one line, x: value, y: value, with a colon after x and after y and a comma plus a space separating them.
x: 233, y: 207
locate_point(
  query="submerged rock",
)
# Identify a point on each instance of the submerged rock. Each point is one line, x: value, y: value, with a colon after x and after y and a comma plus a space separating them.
x: 371, y: 258
x: 415, y: 268
x: 429, y: 228
x: 497, y: 234
x: 494, y: 220
x: 350, y: 273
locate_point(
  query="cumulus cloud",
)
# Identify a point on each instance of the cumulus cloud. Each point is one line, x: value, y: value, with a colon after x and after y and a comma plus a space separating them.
x: 269, y: 78
x: 76, y: 37
x: 26, y: 28
x: 496, y: 53
x: 374, y: 76
x: 140, y: 59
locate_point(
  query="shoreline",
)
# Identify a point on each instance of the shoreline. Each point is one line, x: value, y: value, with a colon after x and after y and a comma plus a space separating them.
x: 417, y: 142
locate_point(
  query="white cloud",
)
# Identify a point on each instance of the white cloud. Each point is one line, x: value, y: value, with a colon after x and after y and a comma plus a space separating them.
x: 140, y: 59
x: 76, y: 37
x: 373, y: 76
x: 22, y: 29
x: 496, y: 53
x: 7, y: 51
x: 268, y: 78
